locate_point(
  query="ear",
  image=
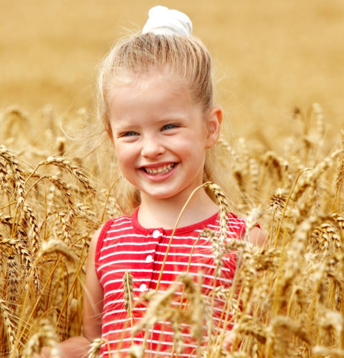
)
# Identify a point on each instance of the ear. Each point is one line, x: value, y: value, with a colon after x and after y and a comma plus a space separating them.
x: 214, y: 126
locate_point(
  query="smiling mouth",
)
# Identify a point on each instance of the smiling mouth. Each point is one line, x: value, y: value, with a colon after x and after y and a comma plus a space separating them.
x: 162, y: 170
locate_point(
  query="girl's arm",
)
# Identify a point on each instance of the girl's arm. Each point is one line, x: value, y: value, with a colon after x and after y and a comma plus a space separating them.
x: 257, y: 237
x: 76, y: 347
x: 93, y: 297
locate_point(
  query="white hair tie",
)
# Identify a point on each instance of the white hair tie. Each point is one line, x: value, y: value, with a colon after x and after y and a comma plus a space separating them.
x: 163, y: 21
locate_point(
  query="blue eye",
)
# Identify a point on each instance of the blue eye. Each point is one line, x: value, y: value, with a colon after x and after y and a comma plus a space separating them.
x: 129, y: 134
x: 169, y: 126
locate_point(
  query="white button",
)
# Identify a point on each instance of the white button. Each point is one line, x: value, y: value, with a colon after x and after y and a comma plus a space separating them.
x: 156, y: 234
x: 143, y: 287
x: 149, y: 258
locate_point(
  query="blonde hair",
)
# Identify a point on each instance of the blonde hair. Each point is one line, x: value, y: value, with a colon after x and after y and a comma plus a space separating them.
x: 184, y: 57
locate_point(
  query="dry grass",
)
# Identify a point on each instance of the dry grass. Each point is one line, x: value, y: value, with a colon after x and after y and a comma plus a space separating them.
x: 286, y: 300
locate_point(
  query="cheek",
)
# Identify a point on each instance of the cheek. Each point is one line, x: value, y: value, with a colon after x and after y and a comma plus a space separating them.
x: 121, y: 154
x: 203, y: 134
x: 126, y: 157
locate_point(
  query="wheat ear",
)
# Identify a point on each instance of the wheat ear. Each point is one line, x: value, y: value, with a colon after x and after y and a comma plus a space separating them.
x: 44, y: 335
x: 95, y: 347
x: 6, y: 314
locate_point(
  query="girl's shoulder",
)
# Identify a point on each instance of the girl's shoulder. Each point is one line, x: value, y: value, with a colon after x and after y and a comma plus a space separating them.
x: 234, y: 218
x: 119, y: 220
x: 236, y: 225
x: 116, y: 223
x: 112, y: 228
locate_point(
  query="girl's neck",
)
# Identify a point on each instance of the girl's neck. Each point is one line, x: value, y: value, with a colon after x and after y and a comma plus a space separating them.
x: 164, y: 213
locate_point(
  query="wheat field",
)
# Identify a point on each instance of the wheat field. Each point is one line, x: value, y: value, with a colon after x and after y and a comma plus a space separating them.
x: 280, y: 82
x: 290, y: 295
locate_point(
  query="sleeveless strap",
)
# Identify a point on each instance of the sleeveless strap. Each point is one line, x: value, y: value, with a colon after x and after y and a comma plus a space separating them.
x: 99, y: 245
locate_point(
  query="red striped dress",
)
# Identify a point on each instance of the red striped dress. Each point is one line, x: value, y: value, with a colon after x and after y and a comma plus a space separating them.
x: 124, y: 245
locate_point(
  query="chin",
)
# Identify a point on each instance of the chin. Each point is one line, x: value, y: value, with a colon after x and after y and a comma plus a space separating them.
x: 160, y: 194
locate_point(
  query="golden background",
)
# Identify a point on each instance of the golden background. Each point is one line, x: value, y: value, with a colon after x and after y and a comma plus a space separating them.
x: 270, y: 56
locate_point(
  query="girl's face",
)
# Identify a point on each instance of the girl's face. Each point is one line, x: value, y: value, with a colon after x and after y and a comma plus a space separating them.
x: 161, y: 136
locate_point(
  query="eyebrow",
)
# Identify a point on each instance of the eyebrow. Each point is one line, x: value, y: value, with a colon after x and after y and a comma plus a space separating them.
x: 163, y: 120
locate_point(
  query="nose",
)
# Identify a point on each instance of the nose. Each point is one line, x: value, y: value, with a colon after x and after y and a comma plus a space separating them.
x: 152, y: 148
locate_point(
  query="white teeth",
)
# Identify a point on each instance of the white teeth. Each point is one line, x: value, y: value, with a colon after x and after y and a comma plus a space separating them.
x: 161, y: 170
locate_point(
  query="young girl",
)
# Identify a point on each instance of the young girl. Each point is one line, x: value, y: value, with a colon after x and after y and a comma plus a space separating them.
x: 157, y: 105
